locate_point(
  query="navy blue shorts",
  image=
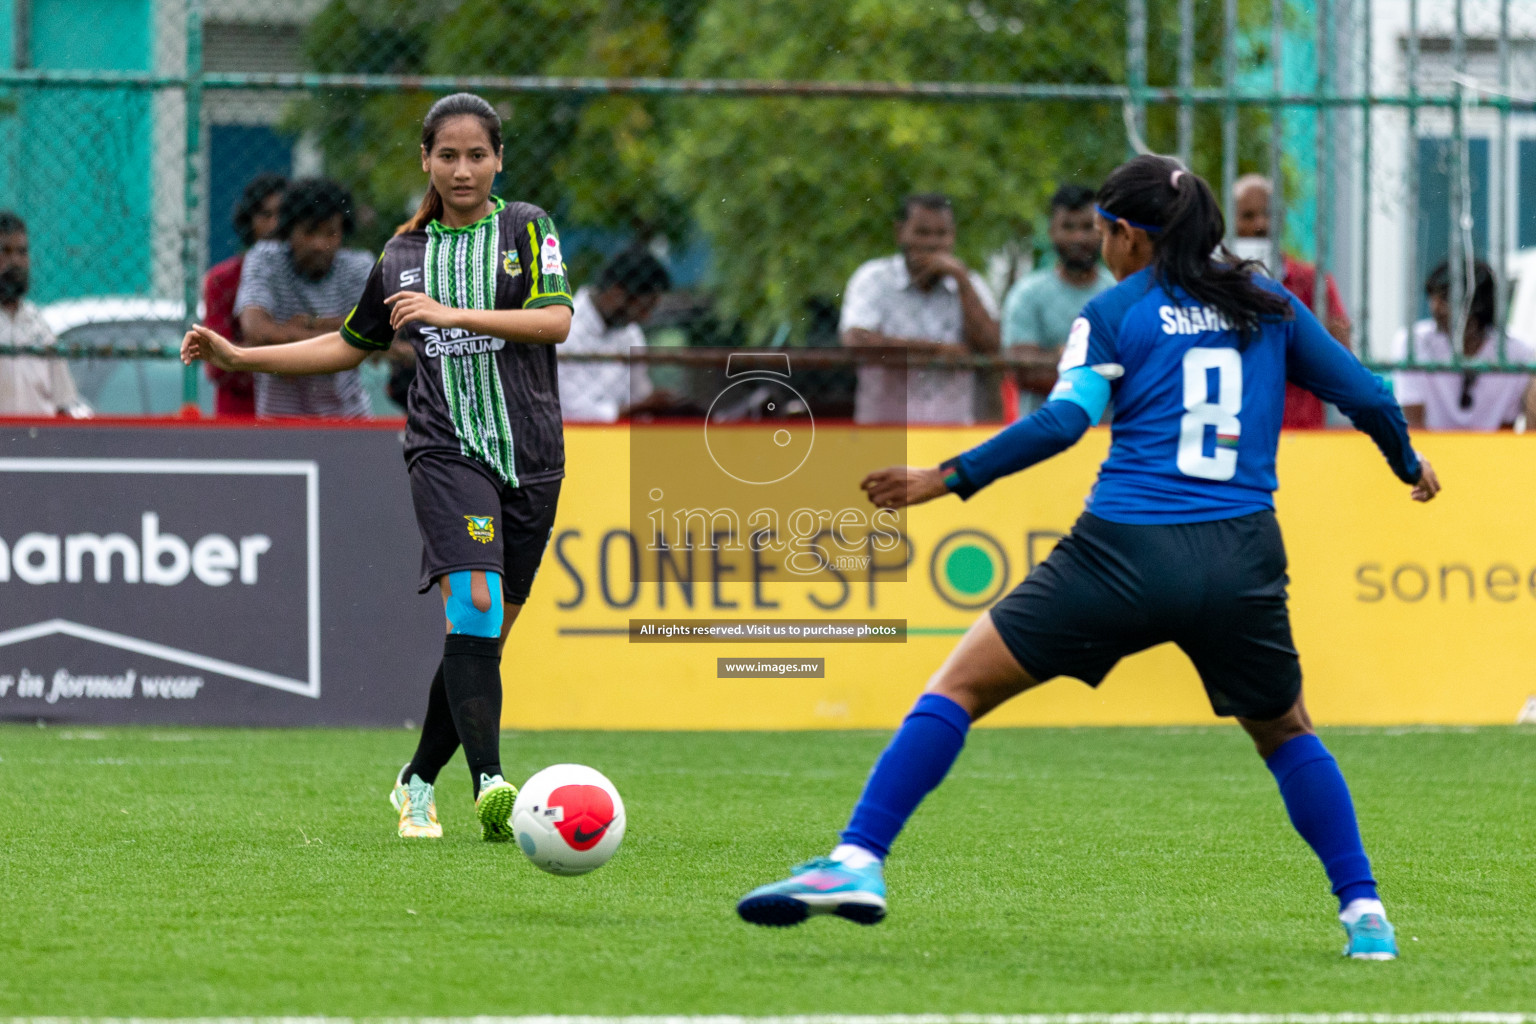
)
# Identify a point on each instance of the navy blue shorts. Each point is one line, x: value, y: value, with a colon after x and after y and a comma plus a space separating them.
x: 1216, y: 589
x: 471, y: 520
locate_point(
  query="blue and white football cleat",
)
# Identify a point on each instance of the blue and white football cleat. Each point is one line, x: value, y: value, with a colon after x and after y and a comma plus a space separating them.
x: 1370, y: 938
x: 820, y: 886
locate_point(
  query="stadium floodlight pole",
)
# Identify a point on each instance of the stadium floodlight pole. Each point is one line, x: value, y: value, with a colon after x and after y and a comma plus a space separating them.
x: 1410, y: 220
x: 1229, y: 116
x: 1364, y: 275
x: 1459, y: 206
x: 193, y: 94
x: 1322, y: 191
x: 1277, y: 137
x: 1186, y: 141
x: 1501, y: 281
x: 1136, y: 62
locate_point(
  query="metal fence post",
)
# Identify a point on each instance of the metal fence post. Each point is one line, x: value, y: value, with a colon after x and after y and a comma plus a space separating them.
x: 1459, y: 261
x: 1229, y: 116
x: 1136, y: 62
x: 1186, y: 139
x: 1501, y: 280
x: 1363, y: 344
x: 192, y: 91
x: 1411, y: 185
x: 1277, y: 137
x: 1322, y: 204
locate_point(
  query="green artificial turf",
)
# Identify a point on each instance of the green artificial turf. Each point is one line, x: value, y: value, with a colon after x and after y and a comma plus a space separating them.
x: 158, y: 872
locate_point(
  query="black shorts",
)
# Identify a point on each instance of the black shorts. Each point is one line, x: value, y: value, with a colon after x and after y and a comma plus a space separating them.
x: 1216, y: 589
x: 471, y: 520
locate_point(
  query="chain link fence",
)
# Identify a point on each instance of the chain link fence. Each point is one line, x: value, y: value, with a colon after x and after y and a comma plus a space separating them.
x: 761, y: 149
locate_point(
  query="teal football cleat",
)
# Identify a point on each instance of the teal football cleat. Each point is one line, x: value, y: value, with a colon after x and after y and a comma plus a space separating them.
x: 1370, y: 938
x: 820, y: 886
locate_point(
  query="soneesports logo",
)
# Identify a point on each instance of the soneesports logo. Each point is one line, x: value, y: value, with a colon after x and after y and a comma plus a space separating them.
x: 455, y: 341
x: 410, y: 277
x: 160, y: 558
x: 588, y: 811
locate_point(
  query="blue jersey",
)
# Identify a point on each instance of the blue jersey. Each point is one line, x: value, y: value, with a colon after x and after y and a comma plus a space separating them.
x: 1197, y: 412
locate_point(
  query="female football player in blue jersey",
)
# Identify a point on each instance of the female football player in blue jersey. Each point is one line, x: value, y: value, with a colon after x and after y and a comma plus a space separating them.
x: 1178, y: 544
x: 477, y: 286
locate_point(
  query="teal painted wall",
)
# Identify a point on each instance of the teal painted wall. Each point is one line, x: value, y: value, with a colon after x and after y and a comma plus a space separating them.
x: 77, y: 163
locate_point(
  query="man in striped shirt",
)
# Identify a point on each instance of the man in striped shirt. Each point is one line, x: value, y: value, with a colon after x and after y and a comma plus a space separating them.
x: 300, y: 284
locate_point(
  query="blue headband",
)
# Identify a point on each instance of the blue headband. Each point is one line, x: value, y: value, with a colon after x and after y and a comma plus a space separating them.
x: 1151, y: 229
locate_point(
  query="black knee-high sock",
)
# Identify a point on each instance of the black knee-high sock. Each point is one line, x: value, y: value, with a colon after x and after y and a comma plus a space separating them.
x: 439, y: 736
x: 472, y: 683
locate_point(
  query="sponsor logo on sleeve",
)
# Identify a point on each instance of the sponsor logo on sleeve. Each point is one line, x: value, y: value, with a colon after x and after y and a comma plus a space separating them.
x: 549, y: 256
x: 410, y: 277
x: 1076, y: 351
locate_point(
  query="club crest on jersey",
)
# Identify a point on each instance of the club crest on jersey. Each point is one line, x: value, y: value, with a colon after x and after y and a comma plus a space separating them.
x: 482, y: 528
x: 511, y: 263
x: 549, y: 256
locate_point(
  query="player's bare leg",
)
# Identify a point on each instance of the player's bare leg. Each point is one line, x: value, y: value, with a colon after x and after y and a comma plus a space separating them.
x: 978, y: 675
x: 1318, y: 801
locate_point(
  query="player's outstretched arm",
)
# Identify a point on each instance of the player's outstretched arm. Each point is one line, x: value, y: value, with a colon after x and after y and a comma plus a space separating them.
x: 328, y: 353
x: 1053, y: 428
x: 1331, y: 372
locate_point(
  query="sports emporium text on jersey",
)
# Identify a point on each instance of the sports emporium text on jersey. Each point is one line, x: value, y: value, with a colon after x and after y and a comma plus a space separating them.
x: 455, y: 341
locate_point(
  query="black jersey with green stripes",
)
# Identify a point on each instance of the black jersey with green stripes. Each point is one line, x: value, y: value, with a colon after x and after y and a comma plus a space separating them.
x: 483, y: 397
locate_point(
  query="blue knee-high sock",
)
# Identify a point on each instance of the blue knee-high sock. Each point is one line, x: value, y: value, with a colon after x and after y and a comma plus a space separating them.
x: 1317, y: 799
x: 916, y: 761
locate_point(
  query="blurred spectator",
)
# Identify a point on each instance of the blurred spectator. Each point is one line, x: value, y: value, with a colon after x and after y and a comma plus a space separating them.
x: 1040, y: 308
x: 29, y: 385
x: 1251, y: 195
x: 255, y: 219
x: 301, y: 283
x: 1471, y: 399
x: 607, y: 319
x: 927, y: 301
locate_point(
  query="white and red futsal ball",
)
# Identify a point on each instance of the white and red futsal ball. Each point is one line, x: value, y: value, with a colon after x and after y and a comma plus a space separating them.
x: 568, y: 819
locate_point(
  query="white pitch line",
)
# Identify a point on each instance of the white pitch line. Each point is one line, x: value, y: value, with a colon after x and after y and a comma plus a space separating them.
x: 927, y: 1018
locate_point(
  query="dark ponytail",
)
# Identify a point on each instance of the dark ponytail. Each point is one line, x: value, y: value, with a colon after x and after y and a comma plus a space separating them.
x: 460, y: 104
x: 1184, y: 221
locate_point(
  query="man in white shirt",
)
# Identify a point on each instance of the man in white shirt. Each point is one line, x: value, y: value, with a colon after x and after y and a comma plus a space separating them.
x: 925, y: 300
x: 1473, y: 399
x: 606, y: 319
x: 29, y: 385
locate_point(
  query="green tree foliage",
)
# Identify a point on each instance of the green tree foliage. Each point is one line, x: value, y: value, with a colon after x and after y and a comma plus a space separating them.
x: 791, y: 192
x: 794, y: 193
x: 591, y: 158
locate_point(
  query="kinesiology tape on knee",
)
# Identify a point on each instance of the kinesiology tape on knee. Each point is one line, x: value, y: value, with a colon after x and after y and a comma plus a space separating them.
x: 467, y: 620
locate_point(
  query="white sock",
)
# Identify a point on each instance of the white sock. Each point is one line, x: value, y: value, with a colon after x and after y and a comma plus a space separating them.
x: 858, y: 858
x: 1359, y: 908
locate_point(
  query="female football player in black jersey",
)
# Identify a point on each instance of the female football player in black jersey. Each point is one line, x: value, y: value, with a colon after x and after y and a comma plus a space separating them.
x: 478, y: 286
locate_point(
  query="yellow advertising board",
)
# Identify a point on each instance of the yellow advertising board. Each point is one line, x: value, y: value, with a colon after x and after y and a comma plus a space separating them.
x: 1403, y: 613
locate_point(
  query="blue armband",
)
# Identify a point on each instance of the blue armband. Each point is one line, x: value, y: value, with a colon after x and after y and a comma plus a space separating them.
x: 1087, y: 388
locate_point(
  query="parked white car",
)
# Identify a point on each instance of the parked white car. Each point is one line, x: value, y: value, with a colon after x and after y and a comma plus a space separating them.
x: 125, y: 387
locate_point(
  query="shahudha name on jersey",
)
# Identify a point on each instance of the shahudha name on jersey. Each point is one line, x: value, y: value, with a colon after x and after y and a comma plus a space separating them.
x: 1192, y: 320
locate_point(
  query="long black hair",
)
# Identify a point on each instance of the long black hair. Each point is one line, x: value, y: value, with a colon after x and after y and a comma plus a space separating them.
x: 314, y: 201
x: 256, y: 192
x: 1180, y: 214
x: 1481, y: 307
x: 460, y: 104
